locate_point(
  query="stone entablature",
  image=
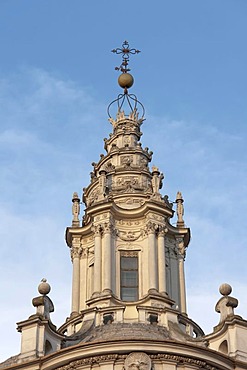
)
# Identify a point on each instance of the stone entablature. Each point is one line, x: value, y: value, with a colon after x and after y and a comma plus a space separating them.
x: 119, y: 355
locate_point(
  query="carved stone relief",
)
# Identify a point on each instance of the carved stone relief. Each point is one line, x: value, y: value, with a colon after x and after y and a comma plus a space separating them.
x: 129, y: 235
x: 155, y: 217
x: 93, y: 196
x: 143, y: 162
x: 180, y: 247
x: 126, y: 160
x: 124, y: 182
x: 137, y: 361
x: 130, y: 203
x: 161, y: 357
x: 109, y: 167
x: 128, y: 223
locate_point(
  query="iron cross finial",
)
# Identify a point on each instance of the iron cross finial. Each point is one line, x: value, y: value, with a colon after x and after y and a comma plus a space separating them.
x: 125, y: 51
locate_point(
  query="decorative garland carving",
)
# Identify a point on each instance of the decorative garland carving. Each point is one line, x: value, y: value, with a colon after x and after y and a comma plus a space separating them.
x: 182, y: 360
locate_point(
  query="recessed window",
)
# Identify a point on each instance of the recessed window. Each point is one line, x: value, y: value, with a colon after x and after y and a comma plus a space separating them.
x: 129, y: 276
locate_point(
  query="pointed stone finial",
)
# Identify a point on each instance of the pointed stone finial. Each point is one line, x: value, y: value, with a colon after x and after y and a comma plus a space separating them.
x: 180, y: 209
x: 75, y: 210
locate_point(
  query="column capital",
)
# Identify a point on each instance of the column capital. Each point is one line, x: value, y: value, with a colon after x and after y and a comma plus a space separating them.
x: 151, y: 227
x: 107, y: 228
x: 162, y: 230
x: 75, y: 252
x: 84, y: 252
x: 97, y: 230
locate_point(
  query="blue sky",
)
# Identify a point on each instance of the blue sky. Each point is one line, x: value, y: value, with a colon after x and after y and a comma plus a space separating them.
x: 56, y: 79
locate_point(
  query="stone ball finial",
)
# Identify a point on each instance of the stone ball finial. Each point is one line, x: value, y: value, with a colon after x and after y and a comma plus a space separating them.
x: 225, y: 289
x: 125, y: 80
x: 44, y: 288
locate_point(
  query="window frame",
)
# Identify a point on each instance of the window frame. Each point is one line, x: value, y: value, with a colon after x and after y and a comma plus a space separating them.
x: 135, y: 288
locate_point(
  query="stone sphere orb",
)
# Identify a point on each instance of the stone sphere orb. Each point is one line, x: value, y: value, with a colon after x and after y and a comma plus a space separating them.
x: 44, y: 288
x: 125, y: 80
x: 225, y: 289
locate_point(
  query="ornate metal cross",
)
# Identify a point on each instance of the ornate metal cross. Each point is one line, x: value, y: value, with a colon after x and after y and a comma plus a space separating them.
x: 125, y: 51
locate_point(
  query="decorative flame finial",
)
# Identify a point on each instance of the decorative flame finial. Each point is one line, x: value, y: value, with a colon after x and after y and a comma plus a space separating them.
x: 125, y: 51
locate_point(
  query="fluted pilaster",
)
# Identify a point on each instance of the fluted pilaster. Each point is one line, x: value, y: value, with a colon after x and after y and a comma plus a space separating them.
x: 83, y: 279
x: 97, y: 286
x: 107, y: 268
x: 152, y: 254
x: 181, y: 256
x: 161, y: 261
x: 75, y: 255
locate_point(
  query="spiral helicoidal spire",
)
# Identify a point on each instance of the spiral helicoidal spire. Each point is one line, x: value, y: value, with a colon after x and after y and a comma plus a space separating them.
x: 126, y: 81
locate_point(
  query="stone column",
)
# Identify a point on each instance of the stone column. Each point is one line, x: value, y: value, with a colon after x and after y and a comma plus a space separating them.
x: 181, y: 257
x: 107, y: 268
x: 83, y: 279
x: 97, y: 260
x: 161, y: 261
x: 152, y: 255
x: 75, y: 255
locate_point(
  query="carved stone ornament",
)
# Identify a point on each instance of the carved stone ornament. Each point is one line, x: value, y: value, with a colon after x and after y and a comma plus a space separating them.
x: 93, y: 197
x: 75, y: 252
x: 107, y: 228
x: 97, y: 229
x: 137, y: 361
x: 180, y: 247
x: 129, y: 235
x: 151, y: 227
x: 162, y: 357
x: 130, y: 203
x: 126, y: 160
x: 128, y: 184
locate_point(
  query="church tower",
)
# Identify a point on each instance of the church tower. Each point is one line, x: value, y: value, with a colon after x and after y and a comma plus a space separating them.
x: 128, y: 307
x: 126, y: 253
